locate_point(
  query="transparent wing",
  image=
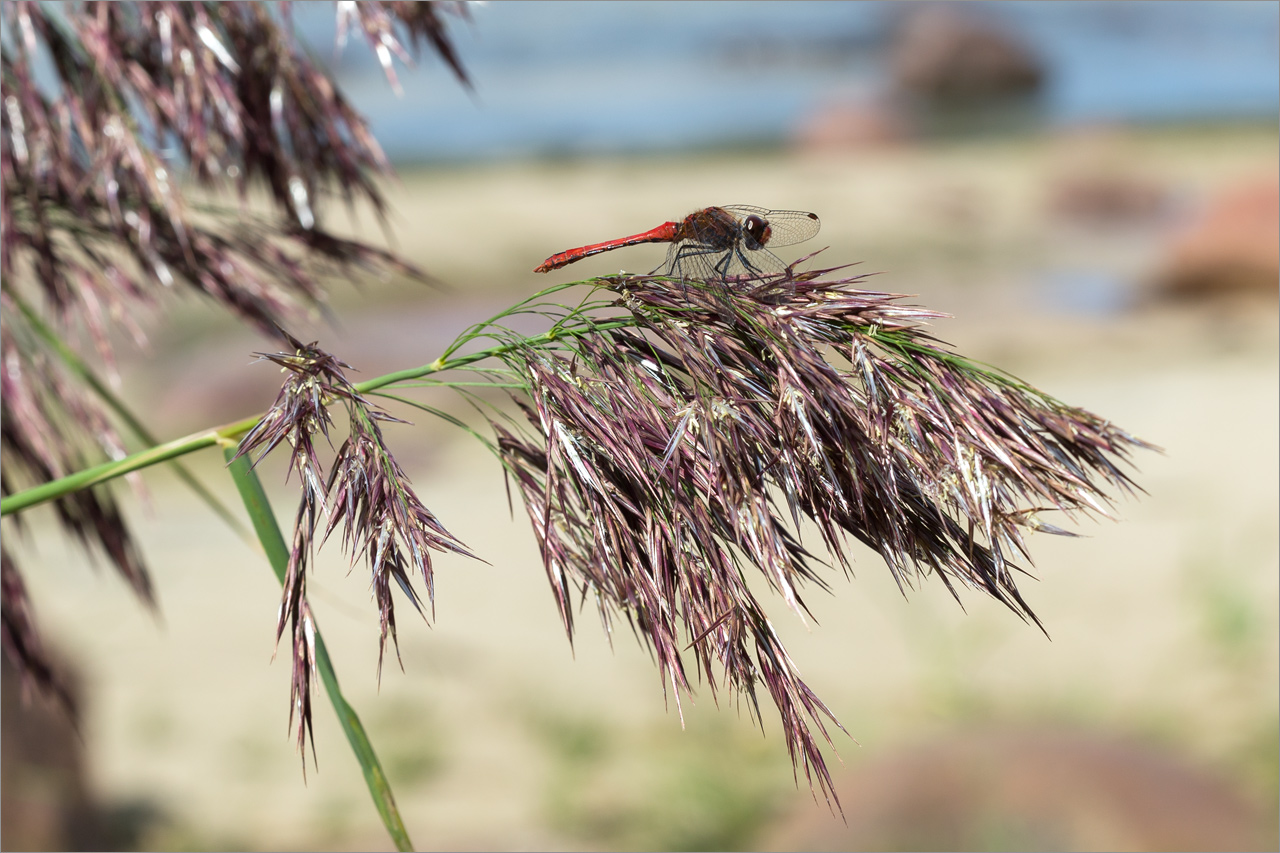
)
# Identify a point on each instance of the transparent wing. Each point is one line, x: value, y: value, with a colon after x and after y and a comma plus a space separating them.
x: 700, y: 263
x: 787, y: 226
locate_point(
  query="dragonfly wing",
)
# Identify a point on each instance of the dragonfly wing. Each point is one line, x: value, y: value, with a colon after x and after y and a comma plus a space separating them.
x: 692, y: 260
x: 791, y: 226
x: 701, y: 263
x: 760, y: 262
x: 787, y: 227
x: 742, y: 211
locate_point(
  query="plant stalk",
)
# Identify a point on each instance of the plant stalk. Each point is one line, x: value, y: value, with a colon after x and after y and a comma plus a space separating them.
x: 99, y: 474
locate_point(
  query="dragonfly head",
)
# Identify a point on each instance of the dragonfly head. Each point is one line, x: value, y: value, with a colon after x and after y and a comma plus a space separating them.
x: 756, y: 231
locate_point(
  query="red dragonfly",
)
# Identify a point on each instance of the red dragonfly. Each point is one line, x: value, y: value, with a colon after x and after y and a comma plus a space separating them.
x: 715, y: 243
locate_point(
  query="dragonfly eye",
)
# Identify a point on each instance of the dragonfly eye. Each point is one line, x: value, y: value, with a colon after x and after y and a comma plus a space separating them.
x: 756, y: 229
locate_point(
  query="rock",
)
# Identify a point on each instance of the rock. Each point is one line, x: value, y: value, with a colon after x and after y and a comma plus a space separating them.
x: 45, y: 800
x: 871, y: 123
x: 1030, y: 789
x: 1231, y: 247
x: 1102, y: 179
x: 944, y: 55
x: 1107, y: 199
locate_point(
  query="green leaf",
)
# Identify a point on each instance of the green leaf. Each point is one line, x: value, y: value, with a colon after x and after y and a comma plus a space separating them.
x: 264, y: 522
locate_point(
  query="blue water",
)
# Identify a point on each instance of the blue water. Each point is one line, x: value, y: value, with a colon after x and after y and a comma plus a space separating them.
x: 607, y: 77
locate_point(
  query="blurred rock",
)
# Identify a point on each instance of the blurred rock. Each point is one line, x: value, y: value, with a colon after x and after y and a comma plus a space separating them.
x: 1102, y: 180
x: 871, y: 123
x: 1232, y: 247
x: 45, y: 797
x: 1034, y: 789
x: 1107, y: 199
x: 946, y: 55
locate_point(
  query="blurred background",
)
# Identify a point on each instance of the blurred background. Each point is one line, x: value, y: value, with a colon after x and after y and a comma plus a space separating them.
x: 1090, y: 189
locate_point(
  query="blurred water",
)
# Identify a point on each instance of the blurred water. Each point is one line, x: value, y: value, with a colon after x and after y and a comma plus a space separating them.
x: 569, y: 77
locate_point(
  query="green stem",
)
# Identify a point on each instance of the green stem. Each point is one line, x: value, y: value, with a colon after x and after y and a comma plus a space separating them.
x: 273, y: 545
x: 72, y: 361
x: 98, y: 474
x: 230, y: 432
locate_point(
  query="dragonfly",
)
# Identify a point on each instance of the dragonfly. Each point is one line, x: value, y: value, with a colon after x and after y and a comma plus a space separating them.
x: 713, y: 244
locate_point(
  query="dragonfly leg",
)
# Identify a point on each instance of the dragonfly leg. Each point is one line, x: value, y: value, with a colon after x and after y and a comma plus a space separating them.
x: 686, y: 255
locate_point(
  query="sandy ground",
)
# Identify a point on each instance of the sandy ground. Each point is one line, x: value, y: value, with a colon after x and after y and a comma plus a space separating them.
x: 497, y: 735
